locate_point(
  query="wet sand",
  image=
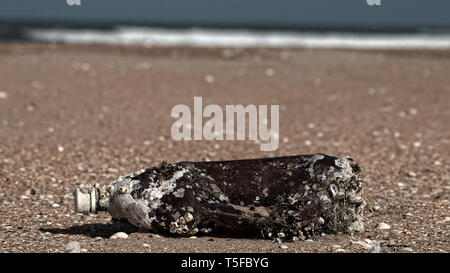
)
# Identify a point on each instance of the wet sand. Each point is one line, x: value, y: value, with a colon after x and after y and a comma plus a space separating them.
x: 84, y: 114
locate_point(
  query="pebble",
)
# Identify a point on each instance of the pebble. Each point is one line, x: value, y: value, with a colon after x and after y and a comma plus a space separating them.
x: 3, y: 95
x: 112, y: 170
x: 193, y: 237
x: 407, y: 249
x: 119, y: 235
x: 376, y: 208
x: 73, y: 247
x: 270, y: 72
x: 30, y: 191
x: 309, y: 241
x: 54, y: 205
x: 98, y: 238
x: 283, y: 246
x: 413, y: 111
x: 209, y: 78
x: 382, y: 226
x: 445, y: 220
x: 277, y: 240
x: 145, y: 245
x: 340, y: 250
x: 363, y: 244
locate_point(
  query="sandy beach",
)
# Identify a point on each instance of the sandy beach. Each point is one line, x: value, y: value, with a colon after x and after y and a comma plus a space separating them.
x: 72, y: 114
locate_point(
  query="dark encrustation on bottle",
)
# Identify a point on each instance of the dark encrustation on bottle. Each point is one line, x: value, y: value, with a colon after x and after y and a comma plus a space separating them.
x: 289, y: 197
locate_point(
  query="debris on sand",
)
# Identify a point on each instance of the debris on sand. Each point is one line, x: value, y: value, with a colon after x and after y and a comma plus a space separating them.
x: 383, y: 226
x: 119, y: 235
x: 283, y: 197
x: 73, y: 247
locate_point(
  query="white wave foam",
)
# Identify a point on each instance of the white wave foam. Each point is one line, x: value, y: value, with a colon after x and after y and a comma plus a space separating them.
x: 242, y: 38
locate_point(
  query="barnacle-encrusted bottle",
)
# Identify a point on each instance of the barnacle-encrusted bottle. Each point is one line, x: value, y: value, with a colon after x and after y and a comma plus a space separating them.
x: 289, y: 197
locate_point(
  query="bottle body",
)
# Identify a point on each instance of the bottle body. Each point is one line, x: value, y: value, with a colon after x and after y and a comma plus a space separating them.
x: 289, y: 197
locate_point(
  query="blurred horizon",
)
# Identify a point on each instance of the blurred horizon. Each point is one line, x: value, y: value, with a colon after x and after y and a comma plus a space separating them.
x: 305, y: 23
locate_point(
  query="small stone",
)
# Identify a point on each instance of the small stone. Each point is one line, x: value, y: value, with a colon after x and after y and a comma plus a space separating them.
x: 73, y: 247
x: 145, y: 245
x: 270, y: 72
x: 98, y: 238
x: 407, y: 249
x: 119, y: 235
x: 188, y: 217
x: 443, y: 221
x: 309, y: 241
x: 112, y: 170
x: 60, y: 149
x: 83, y: 250
x: 413, y: 111
x: 402, y: 114
x: 209, y: 78
x: 193, y: 237
x: 382, y: 226
x: 54, y: 205
x: 376, y: 208
x: 3, y: 95
x: 283, y: 246
x: 30, y: 191
x: 362, y: 244
x: 340, y: 250
x: 277, y: 240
